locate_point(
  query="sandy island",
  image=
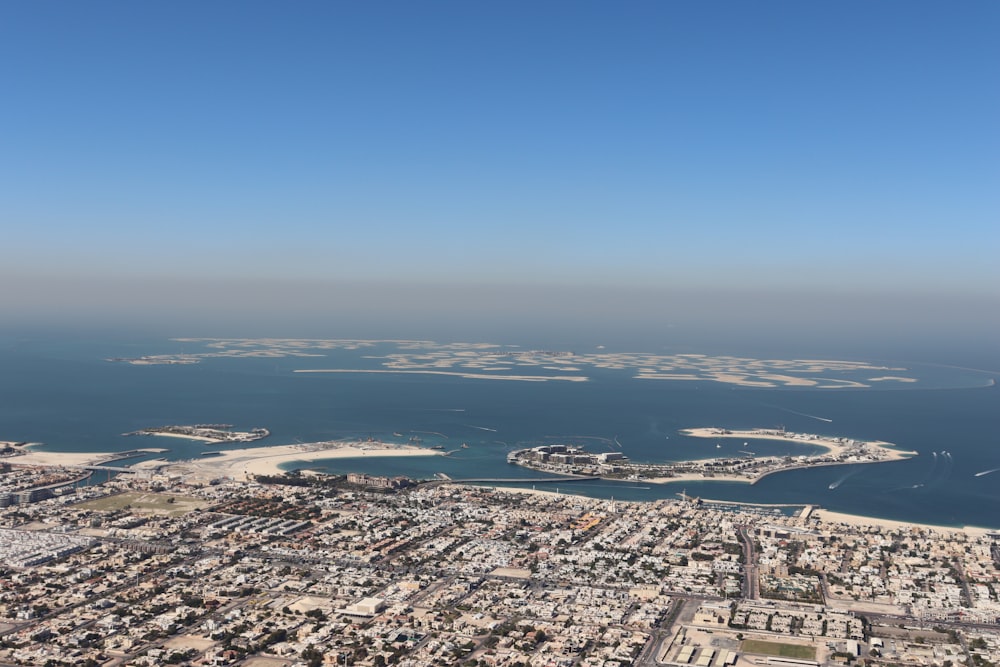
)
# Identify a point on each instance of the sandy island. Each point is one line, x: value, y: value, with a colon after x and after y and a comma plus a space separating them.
x: 469, y: 376
x: 185, y: 436
x: 833, y: 445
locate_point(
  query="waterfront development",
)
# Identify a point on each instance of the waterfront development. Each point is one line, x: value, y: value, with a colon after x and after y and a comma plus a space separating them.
x: 561, y: 459
x: 425, y: 519
x: 162, y: 565
x: 941, y: 420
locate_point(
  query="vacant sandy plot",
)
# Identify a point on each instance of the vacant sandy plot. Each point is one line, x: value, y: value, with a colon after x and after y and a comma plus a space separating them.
x: 152, y: 503
x: 183, y: 642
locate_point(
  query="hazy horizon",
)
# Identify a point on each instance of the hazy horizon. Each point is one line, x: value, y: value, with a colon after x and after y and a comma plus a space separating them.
x: 781, y: 174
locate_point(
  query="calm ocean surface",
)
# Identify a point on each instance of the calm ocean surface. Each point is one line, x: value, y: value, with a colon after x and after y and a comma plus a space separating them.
x: 65, y: 395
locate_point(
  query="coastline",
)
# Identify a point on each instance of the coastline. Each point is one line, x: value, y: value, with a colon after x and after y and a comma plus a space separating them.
x: 833, y: 445
x: 182, y: 436
x: 835, y: 451
x: 825, y: 519
x: 829, y: 517
x: 51, y: 459
x: 246, y: 463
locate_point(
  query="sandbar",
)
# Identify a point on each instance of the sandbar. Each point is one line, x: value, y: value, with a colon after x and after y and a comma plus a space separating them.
x: 183, y: 436
x: 245, y: 463
x: 471, y: 376
x: 35, y: 457
x: 833, y: 445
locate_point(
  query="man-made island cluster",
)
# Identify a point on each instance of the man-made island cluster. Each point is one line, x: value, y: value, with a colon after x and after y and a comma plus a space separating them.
x: 570, y: 460
x: 491, y: 361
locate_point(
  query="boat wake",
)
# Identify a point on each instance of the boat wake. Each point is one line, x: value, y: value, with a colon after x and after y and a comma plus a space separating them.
x: 941, y: 467
x: 942, y: 464
x: 842, y: 479
x: 986, y: 472
x: 801, y: 414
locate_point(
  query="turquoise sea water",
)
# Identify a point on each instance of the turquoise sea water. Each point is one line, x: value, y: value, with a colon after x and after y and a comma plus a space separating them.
x: 64, y: 394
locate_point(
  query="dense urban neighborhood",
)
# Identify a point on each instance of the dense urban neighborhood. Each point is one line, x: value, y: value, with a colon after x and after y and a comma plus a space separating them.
x: 151, y: 568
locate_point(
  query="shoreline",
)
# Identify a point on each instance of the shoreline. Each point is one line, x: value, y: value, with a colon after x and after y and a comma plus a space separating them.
x: 830, y: 517
x: 826, y: 519
x: 249, y: 462
x: 832, y: 444
x: 835, y: 450
x: 199, y: 438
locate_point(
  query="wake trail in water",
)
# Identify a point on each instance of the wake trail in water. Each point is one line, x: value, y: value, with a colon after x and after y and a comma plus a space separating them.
x: 441, y: 435
x: 986, y: 472
x: 844, y: 478
x: 796, y: 412
x: 577, y: 437
x: 481, y: 428
x: 934, y: 464
x: 933, y: 475
x: 947, y: 464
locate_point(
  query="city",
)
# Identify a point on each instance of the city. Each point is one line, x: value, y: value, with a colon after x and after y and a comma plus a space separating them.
x: 151, y: 568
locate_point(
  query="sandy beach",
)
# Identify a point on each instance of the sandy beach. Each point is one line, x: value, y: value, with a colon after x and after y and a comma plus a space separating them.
x: 33, y: 457
x: 829, y: 517
x: 834, y: 446
x: 183, y: 436
x: 701, y: 477
x: 245, y: 463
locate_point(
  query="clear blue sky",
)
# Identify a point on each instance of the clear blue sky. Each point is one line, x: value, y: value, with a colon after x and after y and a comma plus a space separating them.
x: 829, y: 146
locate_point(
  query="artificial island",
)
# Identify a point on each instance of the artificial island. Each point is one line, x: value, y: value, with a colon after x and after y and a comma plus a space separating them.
x: 747, y: 467
x: 210, y: 434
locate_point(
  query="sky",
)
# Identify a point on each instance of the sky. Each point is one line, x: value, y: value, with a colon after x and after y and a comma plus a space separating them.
x: 659, y: 162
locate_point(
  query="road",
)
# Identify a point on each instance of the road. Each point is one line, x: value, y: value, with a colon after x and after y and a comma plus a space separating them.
x: 751, y: 584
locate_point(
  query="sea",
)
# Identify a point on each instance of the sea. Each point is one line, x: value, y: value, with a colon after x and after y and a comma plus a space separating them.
x: 64, y: 393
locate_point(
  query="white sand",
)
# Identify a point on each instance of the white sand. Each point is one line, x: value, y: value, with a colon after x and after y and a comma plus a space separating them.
x: 182, y: 436
x: 56, y: 459
x: 701, y: 477
x: 471, y: 376
x: 826, y: 516
x: 831, y: 445
x: 245, y: 463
